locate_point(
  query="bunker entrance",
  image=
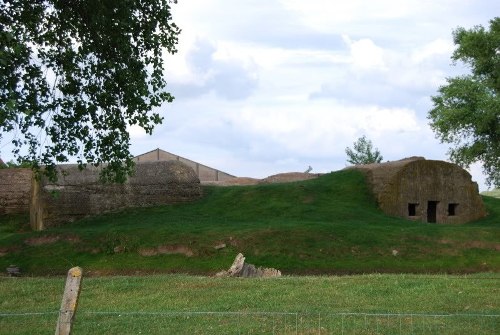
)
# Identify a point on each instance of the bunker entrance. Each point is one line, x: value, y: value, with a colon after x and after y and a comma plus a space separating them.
x: 432, y: 211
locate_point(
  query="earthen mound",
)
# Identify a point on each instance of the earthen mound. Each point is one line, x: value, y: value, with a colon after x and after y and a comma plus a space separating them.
x: 239, y: 181
x: 288, y: 177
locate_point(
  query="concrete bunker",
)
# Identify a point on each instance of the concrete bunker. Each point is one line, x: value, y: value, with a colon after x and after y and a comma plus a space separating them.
x: 79, y: 193
x: 425, y: 190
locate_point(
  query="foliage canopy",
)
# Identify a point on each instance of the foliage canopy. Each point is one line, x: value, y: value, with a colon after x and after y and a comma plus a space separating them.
x: 75, y: 74
x: 466, y: 111
x: 363, y: 152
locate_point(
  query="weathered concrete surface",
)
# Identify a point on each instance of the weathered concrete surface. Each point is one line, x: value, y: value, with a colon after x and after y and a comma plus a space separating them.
x: 422, y: 184
x: 15, y: 184
x: 241, y: 269
x: 78, y: 194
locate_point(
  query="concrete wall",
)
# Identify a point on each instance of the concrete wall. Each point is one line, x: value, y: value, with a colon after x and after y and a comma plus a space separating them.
x: 204, y: 173
x: 425, y: 190
x: 78, y: 194
x: 15, y: 187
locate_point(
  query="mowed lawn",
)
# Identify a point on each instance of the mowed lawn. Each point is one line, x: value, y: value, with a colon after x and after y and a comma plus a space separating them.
x: 329, y: 225
x: 180, y: 304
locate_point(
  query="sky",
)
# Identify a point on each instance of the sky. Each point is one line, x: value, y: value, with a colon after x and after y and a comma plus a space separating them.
x: 270, y: 86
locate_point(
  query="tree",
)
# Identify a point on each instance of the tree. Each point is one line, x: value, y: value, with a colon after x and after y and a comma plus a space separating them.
x: 75, y: 74
x: 363, y: 152
x: 466, y: 111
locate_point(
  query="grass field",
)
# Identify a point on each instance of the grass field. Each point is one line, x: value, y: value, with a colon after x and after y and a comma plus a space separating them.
x: 330, y: 225
x: 175, y: 304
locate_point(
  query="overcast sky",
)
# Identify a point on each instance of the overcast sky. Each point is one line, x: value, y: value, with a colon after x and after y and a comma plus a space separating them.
x: 270, y: 86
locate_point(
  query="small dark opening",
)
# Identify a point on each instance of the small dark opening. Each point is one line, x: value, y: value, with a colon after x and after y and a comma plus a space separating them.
x: 412, y: 209
x: 432, y: 211
x: 452, y: 209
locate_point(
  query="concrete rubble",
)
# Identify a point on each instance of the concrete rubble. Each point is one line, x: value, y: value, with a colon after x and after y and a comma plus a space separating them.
x: 246, y: 270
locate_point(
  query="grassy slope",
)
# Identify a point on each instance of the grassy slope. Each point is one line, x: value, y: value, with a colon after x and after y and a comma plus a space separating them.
x: 327, y: 225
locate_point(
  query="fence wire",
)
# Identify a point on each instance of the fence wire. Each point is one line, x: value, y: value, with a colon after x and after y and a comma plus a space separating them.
x: 195, y: 322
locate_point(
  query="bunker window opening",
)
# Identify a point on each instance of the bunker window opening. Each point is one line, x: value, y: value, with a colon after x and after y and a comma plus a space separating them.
x: 452, y: 209
x: 412, y: 209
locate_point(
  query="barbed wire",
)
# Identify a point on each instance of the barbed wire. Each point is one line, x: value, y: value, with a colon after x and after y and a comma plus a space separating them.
x: 276, y: 322
x: 7, y: 314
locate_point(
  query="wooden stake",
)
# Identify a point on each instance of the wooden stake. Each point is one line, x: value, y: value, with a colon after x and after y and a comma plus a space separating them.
x: 69, y: 301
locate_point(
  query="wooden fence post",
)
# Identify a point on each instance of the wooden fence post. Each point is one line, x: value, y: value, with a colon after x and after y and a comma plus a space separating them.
x: 69, y: 301
x: 36, y: 212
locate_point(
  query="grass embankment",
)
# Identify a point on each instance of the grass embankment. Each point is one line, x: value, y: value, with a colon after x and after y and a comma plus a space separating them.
x: 147, y: 305
x: 330, y: 225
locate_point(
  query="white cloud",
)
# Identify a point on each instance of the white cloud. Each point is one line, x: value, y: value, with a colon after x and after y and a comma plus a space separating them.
x: 211, y: 69
x: 438, y: 47
x: 365, y: 55
x: 136, y: 132
x: 321, y: 128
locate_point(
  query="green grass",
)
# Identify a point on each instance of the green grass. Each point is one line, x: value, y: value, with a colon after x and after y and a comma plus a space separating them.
x: 329, y: 225
x: 127, y: 305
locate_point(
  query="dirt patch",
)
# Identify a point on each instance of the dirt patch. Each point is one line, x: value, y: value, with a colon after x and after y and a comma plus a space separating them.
x: 234, y: 242
x: 4, y: 251
x: 72, y: 238
x: 166, y: 250
x: 42, y: 240
x: 49, y: 239
x: 148, y: 252
x: 175, y: 249
x: 308, y: 200
x: 471, y: 244
x: 454, y: 248
x: 482, y: 245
